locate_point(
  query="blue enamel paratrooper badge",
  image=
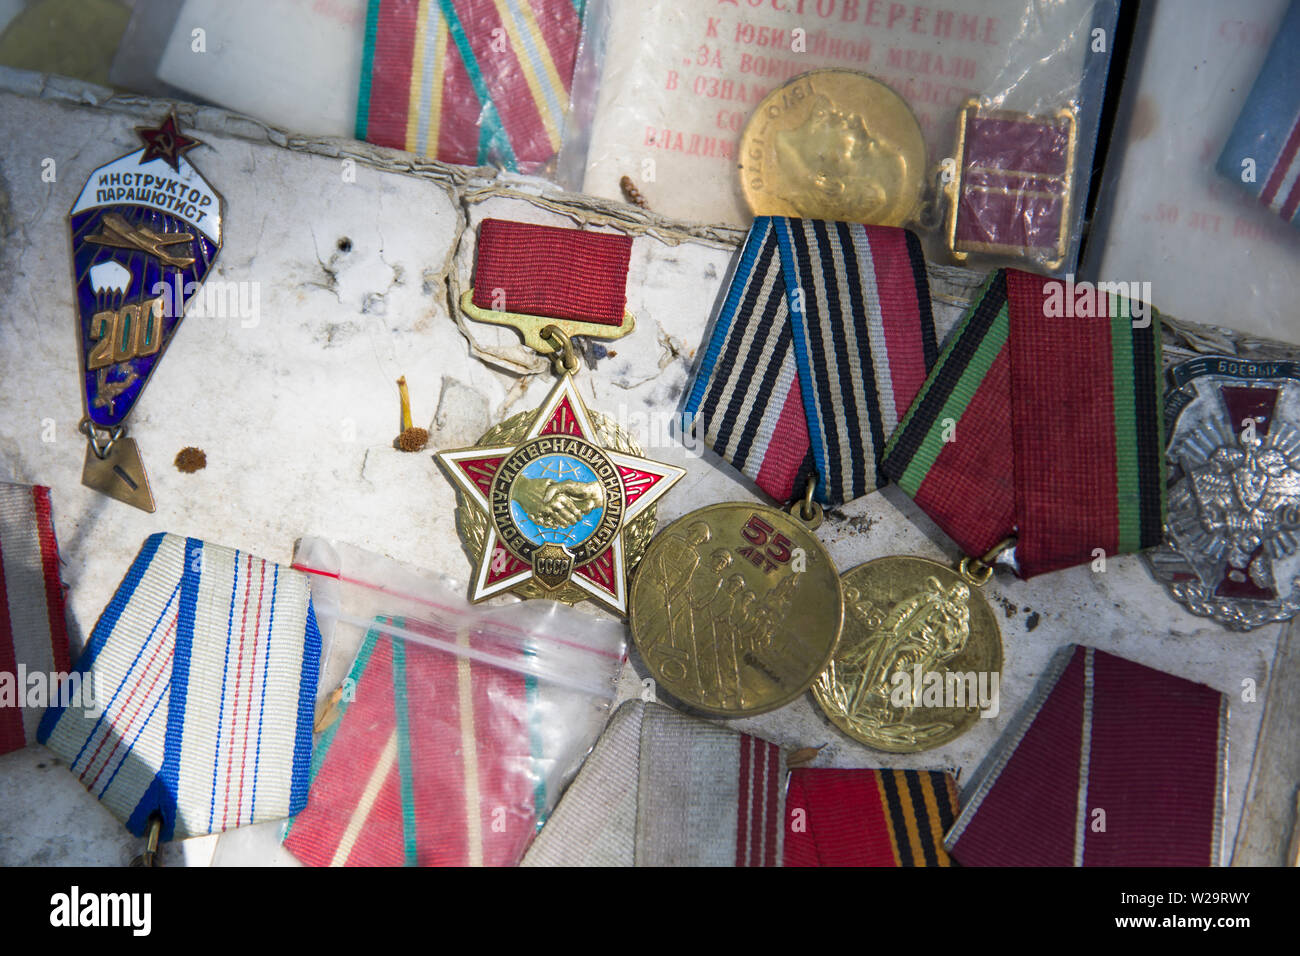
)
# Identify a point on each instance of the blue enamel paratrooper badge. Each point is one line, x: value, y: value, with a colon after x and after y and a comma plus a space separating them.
x: 146, y: 229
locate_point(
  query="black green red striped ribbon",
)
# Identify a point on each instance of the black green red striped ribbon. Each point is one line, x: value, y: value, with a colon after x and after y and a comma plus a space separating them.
x: 1040, y: 426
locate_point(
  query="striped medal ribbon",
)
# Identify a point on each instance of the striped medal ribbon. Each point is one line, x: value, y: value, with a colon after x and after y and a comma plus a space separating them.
x: 868, y: 817
x: 1041, y: 426
x: 664, y: 789
x: 33, y: 621
x: 469, y: 81
x: 823, y: 340
x: 1263, y: 152
x: 430, y: 764
x: 204, y: 669
x: 1111, y: 764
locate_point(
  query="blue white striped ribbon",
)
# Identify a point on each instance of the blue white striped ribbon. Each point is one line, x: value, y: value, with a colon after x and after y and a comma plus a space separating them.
x: 205, y: 665
x: 831, y: 317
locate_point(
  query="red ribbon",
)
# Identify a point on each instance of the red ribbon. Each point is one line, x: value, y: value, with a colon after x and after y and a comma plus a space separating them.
x: 530, y: 269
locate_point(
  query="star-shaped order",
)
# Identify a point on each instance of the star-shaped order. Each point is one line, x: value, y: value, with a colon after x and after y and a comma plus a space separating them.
x: 642, y: 483
x: 165, y: 142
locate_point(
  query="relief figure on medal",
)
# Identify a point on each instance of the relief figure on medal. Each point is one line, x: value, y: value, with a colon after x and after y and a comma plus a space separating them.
x: 833, y: 164
x: 706, y: 625
x: 557, y: 499
x: 926, y: 629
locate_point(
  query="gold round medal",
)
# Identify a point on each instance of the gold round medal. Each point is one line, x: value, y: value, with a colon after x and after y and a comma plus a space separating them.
x: 920, y: 656
x: 835, y: 145
x: 736, y: 608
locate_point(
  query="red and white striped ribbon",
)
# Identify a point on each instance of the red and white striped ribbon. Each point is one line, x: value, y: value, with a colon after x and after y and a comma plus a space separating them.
x: 33, y: 623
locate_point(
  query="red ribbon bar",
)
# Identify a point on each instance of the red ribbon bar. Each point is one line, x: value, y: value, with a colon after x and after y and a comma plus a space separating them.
x: 530, y: 269
x: 1110, y: 740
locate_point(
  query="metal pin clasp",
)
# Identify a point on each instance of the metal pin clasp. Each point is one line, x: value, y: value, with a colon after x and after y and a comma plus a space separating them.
x: 101, y: 440
x: 807, y: 510
x: 563, y: 358
x: 150, y: 855
x: 978, y: 570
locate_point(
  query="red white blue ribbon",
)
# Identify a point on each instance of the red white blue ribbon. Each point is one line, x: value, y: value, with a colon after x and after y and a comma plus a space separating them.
x: 1263, y: 152
x: 205, y: 665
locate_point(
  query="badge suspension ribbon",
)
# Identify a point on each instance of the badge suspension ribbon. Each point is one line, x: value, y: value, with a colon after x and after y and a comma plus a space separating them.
x: 824, y: 338
x: 1041, y: 425
x: 204, y: 669
x: 558, y: 502
x: 145, y: 231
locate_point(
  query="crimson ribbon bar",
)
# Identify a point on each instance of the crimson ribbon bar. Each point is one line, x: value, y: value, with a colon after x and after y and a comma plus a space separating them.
x: 823, y: 340
x: 527, y: 268
x: 1041, y: 420
x: 1112, y: 764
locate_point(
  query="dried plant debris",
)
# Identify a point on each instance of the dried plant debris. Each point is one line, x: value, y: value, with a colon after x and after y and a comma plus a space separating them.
x: 411, y: 438
x: 803, y: 756
x: 632, y: 193
x: 190, y: 459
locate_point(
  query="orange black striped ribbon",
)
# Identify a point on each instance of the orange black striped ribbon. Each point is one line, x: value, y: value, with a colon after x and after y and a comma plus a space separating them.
x: 868, y: 817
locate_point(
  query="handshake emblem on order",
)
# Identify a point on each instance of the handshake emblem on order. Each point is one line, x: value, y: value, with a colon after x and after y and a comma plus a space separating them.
x: 556, y: 504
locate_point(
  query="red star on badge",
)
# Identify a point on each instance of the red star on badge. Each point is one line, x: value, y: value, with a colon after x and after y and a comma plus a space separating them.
x: 165, y: 142
x: 603, y: 575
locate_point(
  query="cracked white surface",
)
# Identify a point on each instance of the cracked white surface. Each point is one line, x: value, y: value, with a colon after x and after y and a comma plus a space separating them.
x: 297, y: 414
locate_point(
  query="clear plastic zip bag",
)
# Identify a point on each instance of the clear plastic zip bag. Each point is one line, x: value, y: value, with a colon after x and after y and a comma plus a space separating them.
x: 445, y: 732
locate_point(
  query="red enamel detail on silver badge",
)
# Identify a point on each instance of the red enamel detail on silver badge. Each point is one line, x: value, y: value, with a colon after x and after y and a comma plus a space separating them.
x: 637, y: 482
x: 1244, y: 402
x: 481, y: 471
x: 563, y: 421
x: 600, y: 570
